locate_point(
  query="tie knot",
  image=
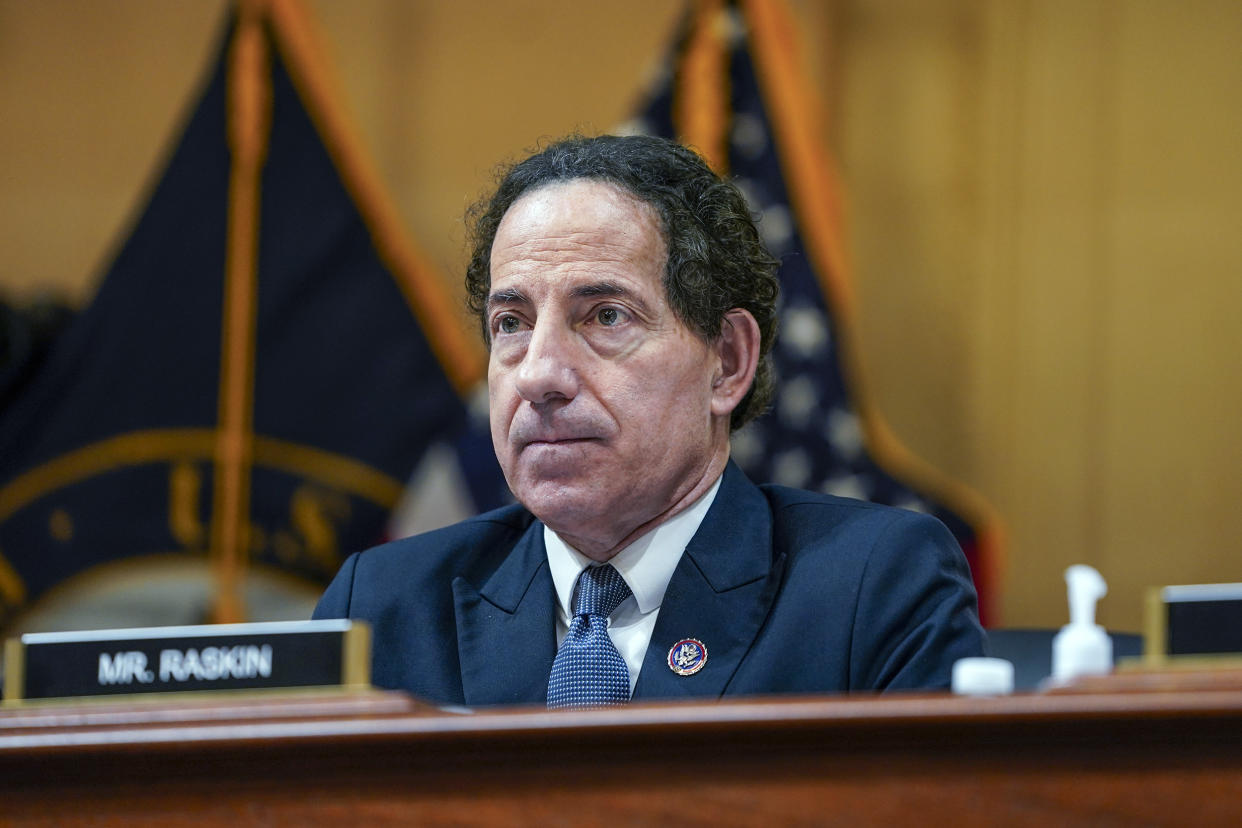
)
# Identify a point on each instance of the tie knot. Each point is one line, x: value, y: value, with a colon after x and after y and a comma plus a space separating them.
x: 601, y: 589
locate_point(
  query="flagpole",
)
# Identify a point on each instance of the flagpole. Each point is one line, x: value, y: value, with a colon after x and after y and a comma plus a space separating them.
x: 248, y: 119
x: 701, y: 94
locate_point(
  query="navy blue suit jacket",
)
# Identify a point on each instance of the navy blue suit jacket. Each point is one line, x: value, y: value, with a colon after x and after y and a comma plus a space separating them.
x: 790, y: 592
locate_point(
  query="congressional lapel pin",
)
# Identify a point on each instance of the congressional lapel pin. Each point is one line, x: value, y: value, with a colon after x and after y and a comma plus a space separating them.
x: 687, y: 657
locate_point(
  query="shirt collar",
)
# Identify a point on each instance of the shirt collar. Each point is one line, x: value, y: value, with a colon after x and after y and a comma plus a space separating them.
x: 647, y: 564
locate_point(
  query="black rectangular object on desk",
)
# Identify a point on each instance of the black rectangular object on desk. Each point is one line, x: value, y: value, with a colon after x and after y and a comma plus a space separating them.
x: 333, y: 653
x: 1196, y: 620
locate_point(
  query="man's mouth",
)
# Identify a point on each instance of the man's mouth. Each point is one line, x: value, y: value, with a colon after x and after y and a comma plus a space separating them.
x: 560, y: 441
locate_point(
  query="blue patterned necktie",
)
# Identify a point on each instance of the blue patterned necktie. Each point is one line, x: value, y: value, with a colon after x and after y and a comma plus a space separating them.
x: 588, y: 670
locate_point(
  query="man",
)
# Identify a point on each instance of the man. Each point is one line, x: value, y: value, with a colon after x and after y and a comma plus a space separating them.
x: 629, y: 308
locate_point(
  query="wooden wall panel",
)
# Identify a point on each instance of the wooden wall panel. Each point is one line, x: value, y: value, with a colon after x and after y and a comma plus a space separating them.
x: 1086, y: 156
x: 1052, y: 300
x: 1170, y: 437
x: 90, y: 94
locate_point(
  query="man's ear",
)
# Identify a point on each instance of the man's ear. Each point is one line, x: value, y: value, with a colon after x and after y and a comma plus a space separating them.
x: 738, y: 350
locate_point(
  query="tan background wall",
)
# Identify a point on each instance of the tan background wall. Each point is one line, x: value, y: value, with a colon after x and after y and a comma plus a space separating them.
x: 1044, y: 196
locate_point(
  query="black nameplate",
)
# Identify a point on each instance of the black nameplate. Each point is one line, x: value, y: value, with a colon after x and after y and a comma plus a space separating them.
x: 1198, y: 619
x: 179, y: 659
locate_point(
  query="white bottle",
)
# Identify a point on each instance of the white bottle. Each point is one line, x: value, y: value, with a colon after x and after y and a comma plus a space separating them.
x: 1082, y: 647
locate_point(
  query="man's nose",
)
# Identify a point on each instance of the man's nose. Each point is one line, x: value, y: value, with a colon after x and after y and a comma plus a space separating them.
x: 548, y: 371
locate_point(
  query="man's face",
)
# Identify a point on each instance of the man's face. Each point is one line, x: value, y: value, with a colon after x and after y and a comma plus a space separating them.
x: 600, y: 397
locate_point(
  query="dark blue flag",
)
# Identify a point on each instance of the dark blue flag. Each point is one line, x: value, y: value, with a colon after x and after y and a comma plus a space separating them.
x: 731, y: 89
x: 265, y: 362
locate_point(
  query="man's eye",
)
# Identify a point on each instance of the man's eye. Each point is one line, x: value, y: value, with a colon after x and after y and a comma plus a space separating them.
x: 508, y: 324
x: 608, y: 317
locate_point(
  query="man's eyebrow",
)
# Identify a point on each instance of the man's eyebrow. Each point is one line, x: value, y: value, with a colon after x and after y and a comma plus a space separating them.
x: 610, y: 289
x: 513, y: 296
x: 507, y: 297
x: 599, y: 289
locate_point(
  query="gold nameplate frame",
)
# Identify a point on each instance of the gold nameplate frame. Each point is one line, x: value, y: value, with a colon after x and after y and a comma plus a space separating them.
x: 100, y: 663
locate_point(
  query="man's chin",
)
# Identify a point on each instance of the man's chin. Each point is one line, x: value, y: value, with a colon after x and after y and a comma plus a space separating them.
x: 560, y: 504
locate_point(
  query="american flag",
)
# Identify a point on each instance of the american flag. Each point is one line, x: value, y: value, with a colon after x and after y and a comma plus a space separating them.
x: 816, y: 434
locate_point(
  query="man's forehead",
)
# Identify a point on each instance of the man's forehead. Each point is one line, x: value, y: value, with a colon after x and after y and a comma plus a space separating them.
x: 584, y: 205
x: 582, y: 236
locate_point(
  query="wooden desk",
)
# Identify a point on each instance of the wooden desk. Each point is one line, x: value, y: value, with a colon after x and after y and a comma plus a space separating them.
x: 1163, y: 756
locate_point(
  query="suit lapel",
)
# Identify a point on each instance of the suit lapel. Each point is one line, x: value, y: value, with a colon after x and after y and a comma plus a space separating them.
x: 506, y: 634
x: 719, y: 594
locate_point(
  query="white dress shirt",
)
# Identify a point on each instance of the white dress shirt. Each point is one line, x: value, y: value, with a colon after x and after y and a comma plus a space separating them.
x: 647, y: 565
